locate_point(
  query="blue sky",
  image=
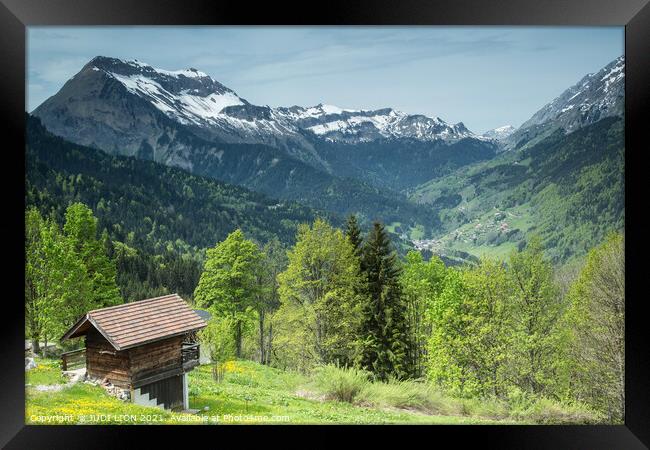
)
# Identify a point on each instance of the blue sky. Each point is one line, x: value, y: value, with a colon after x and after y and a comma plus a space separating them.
x: 483, y: 76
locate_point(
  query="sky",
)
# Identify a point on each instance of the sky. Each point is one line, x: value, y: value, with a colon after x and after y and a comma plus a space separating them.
x: 485, y: 77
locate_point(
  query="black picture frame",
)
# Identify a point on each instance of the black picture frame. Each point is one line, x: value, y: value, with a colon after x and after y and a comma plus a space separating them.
x: 16, y: 15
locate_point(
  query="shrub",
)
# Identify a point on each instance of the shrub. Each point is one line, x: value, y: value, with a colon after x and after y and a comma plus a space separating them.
x: 409, y: 394
x: 487, y: 407
x: 342, y: 384
x: 549, y: 412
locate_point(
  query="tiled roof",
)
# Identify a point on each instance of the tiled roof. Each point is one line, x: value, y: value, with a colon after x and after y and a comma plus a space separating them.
x: 137, y: 323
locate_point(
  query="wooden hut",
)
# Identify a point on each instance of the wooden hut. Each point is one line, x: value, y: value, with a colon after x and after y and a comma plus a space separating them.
x: 143, y: 347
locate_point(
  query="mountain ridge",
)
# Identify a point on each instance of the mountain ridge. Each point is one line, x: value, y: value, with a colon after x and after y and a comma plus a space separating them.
x: 594, y: 97
x: 130, y: 108
x: 381, y: 164
x: 193, y: 98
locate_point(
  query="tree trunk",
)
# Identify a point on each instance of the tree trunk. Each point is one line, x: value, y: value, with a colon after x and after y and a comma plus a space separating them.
x: 269, y: 344
x: 262, y: 353
x: 621, y: 387
x: 238, y: 339
x: 36, y: 349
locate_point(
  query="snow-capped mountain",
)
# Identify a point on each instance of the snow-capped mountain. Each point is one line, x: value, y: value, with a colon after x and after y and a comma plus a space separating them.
x: 193, y: 98
x: 594, y: 97
x: 499, y: 133
x: 352, y: 126
x: 132, y: 108
x: 189, y: 96
x: 119, y: 105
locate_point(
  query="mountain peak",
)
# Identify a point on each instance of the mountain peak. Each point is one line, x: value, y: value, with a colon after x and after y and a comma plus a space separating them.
x: 345, y: 125
x: 499, y: 133
x: 133, y: 66
x: 188, y: 95
x: 595, y: 96
x: 191, y: 97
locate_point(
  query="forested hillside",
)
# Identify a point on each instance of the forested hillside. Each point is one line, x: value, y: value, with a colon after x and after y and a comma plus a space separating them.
x: 569, y: 189
x: 158, y: 204
x: 405, y: 163
x: 159, y: 218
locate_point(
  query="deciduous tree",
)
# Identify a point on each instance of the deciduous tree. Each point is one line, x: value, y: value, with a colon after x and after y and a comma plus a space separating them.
x: 228, y: 286
x: 319, y: 292
x: 597, y: 324
x: 537, y: 308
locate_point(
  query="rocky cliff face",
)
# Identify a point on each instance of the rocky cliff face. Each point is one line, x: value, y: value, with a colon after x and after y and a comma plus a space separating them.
x: 594, y: 97
x: 180, y: 117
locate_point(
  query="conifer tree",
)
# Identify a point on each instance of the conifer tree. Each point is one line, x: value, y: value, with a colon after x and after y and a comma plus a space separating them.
x: 353, y: 233
x: 385, y: 327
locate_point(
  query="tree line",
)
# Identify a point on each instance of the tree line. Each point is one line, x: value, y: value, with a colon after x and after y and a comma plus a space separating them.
x: 67, y: 272
x: 504, y: 329
x: 501, y: 329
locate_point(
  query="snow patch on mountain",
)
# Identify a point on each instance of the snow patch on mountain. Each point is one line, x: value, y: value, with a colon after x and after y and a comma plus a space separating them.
x: 187, y: 105
x: 499, y: 133
x: 348, y: 125
x: 595, y: 97
x: 191, y: 97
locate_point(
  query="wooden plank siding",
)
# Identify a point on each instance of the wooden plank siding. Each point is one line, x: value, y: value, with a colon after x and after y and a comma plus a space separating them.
x: 155, y: 357
x: 104, y: 362
x: 123, y: 367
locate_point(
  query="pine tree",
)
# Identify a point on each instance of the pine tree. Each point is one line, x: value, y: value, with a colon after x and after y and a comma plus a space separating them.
x: 385, y: 327
x: 353, y: 233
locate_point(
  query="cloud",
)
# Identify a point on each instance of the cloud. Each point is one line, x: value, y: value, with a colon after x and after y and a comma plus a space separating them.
x: 452, y: 70
x: 387, y: 50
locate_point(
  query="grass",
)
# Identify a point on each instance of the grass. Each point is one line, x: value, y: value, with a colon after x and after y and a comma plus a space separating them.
x: 356, y: 387
x: 47, y: 372
x: 80, y: 403
x: 260, y: 394
x: 252, y: 393
x: 83, y: 403
x: 341, y: 385
x: 411, y: 395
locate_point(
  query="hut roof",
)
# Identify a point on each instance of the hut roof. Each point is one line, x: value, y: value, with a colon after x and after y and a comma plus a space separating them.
x: 133, y: 324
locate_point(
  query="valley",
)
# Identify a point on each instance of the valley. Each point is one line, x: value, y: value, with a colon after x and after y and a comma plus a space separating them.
x: 404, y: 257
x: 438, y: 187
